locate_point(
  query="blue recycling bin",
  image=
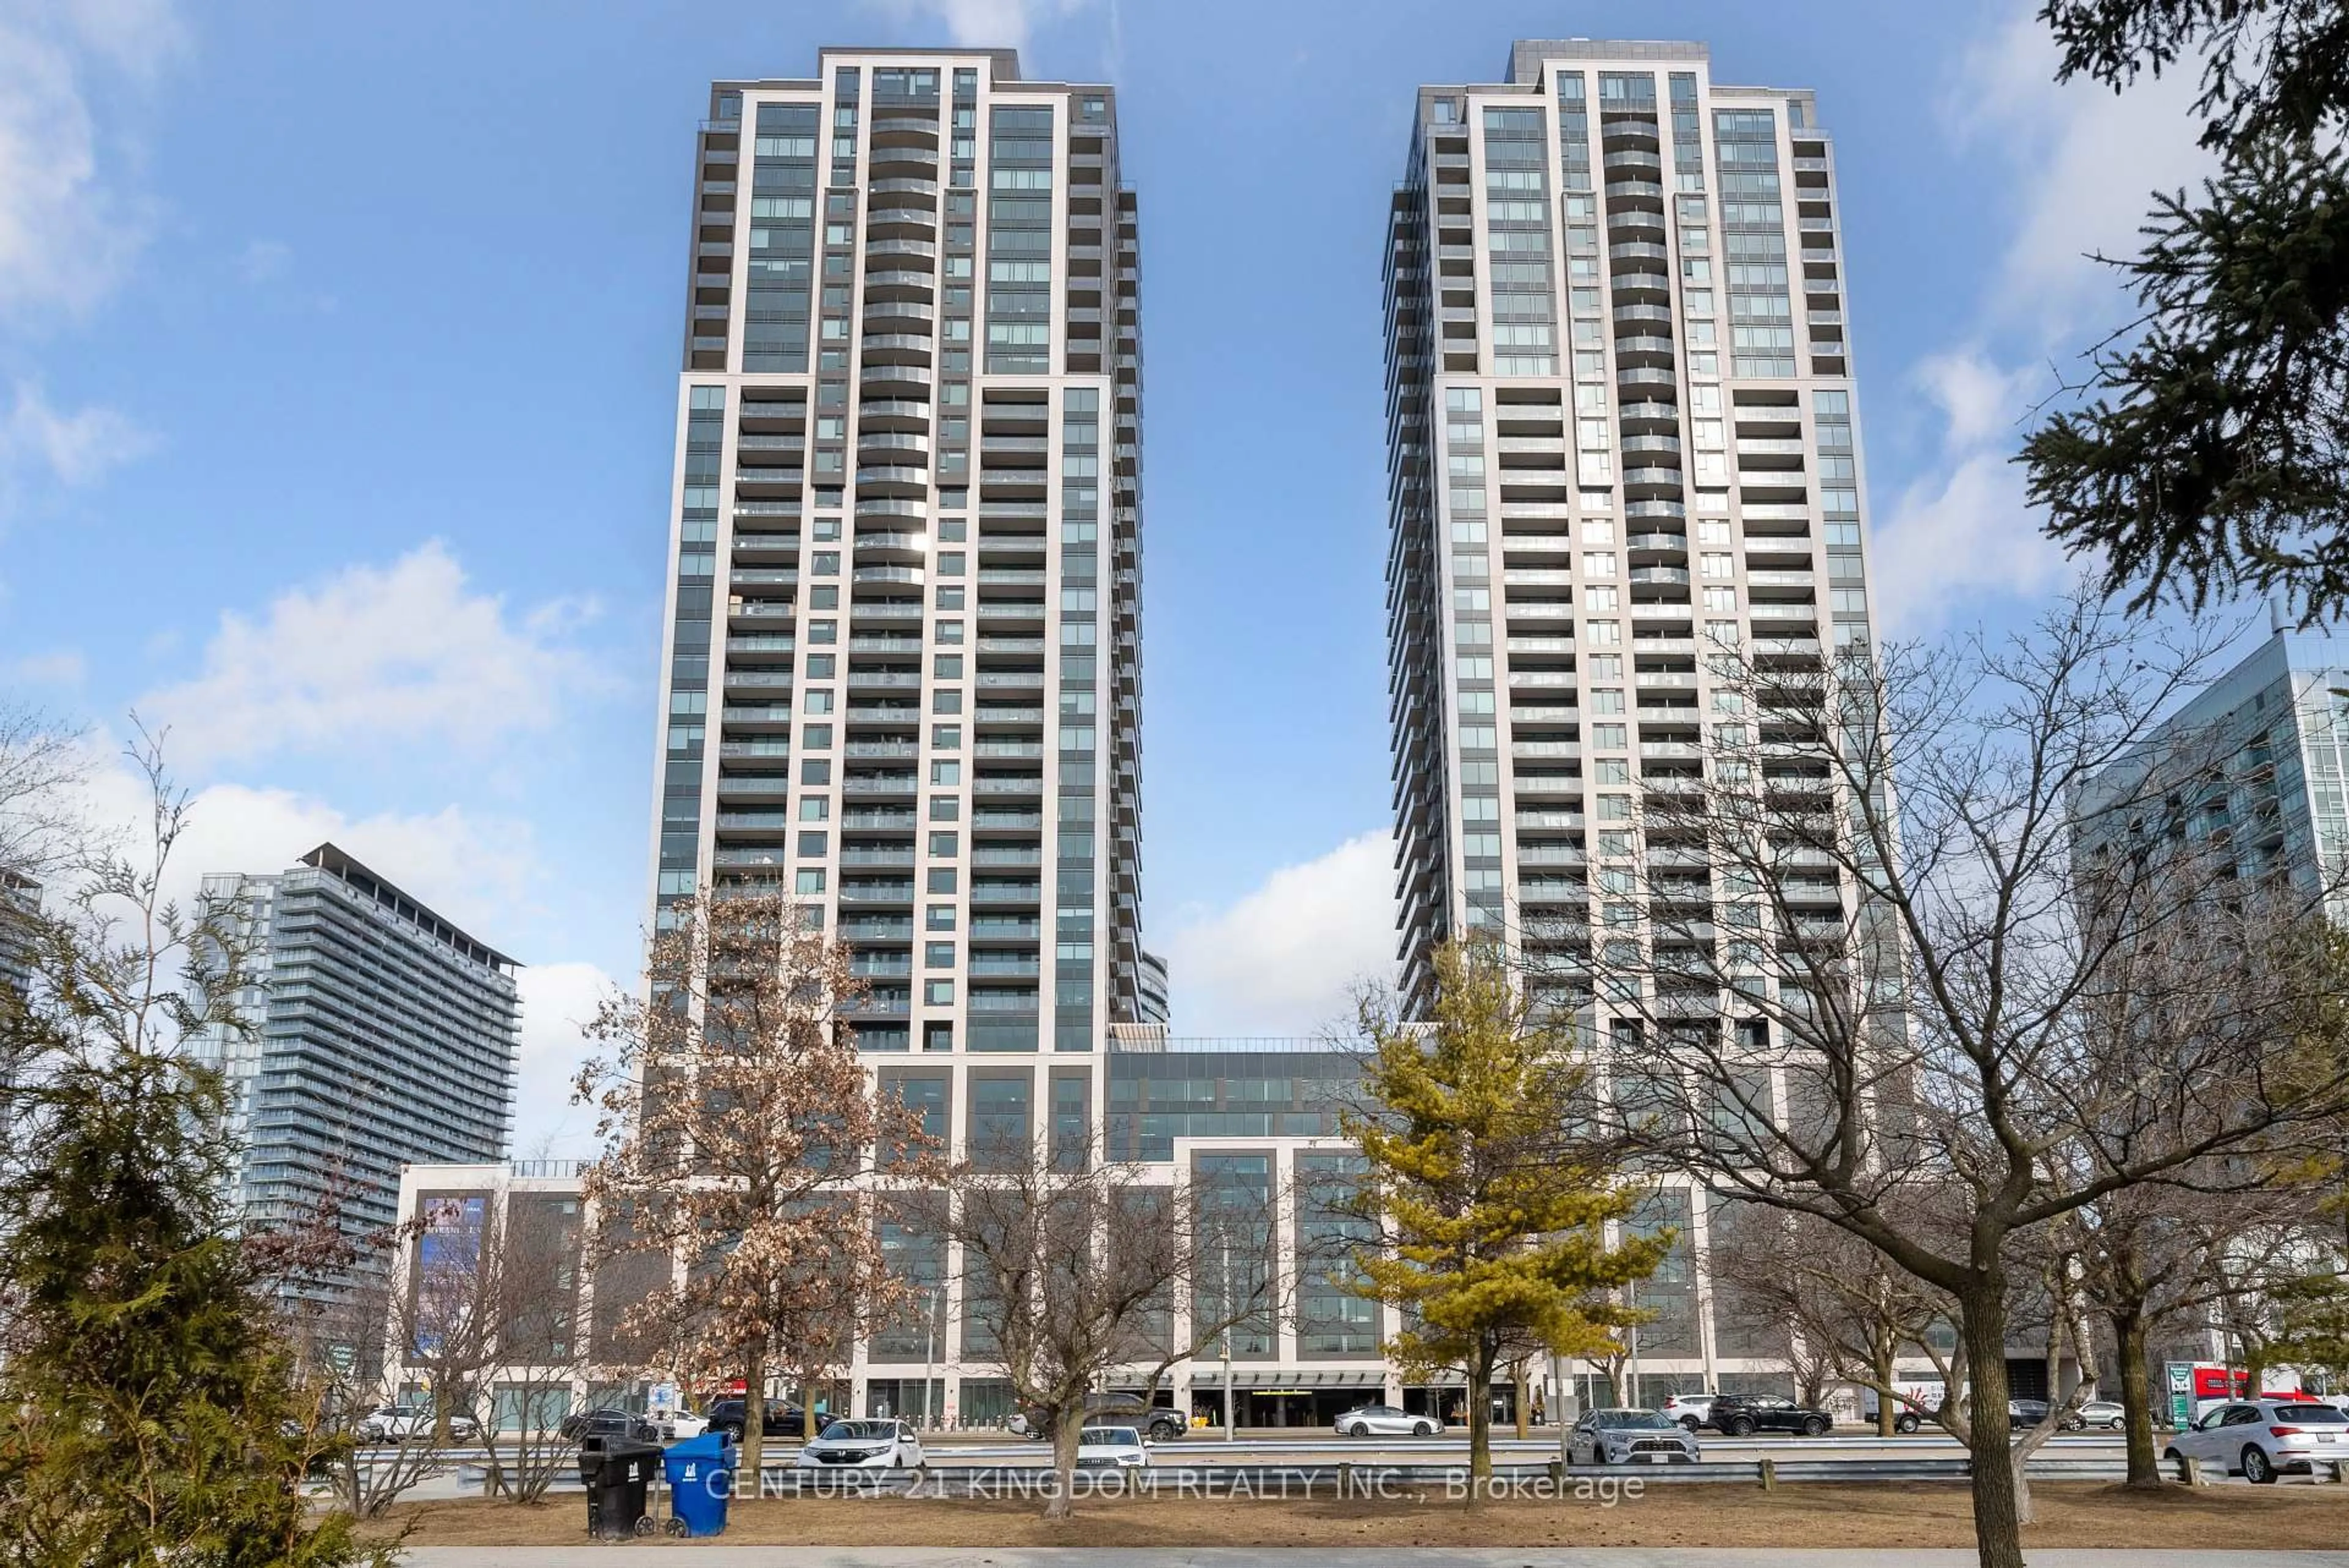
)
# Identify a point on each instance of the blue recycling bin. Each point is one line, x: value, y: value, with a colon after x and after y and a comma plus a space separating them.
x: 700, y: 1472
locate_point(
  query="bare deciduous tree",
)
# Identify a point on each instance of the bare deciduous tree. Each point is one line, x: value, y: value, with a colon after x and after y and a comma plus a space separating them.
x: 1890, y: 894
x: 1833, y: 1306
x: 739, y: 1127
x: 1075, y: 1266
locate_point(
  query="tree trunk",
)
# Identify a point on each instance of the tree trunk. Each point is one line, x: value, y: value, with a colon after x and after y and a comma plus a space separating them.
x: 2136, y: 1399
x: 1998, y: 1534
x: 1068, y: 1427
x: 807, y: 1409
x: 754, y: 1421
x: 1517, y: 1389
x: 1887, y: 1410
x: 1480, y: 1423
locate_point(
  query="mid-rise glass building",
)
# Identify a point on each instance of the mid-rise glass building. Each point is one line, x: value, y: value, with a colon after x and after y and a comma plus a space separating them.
x: 378, y: 1035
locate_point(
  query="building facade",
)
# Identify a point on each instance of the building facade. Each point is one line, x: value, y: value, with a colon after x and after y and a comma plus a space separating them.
x: 2270, y: 740
x: 375, y: 1035
x: 899, y: 682
x: 20, y: 898
x: 1622, y: 433
x: 902, y: 674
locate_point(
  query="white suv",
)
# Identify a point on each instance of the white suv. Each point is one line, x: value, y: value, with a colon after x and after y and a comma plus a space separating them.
x: 2261, y: 1438
x: 1691, y: 1411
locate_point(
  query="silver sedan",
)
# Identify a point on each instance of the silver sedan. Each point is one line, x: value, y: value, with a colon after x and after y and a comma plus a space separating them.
x: 1384, y: 1421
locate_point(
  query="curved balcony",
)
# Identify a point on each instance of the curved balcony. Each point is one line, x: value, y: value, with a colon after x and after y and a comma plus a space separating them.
x: 913, y: 576
x: 1661, y: 315
x: 1658, y: 284
x: 1634, y: 160
x: 1647, y: 416
x: 916, y: 192
x: 904, y: 157
x: 882, y: 546
x: 886, y: 441
x: 1635, y: 348
x: 892, y: 506
x: 892, y: 477
x: 900, y: 224
x: 894, y: 378
x: 1652, y: 544
x: 1645, y: 380
x: 1658, y: 576
x: 1634, y: 222
x: 899, y: 315
x: 899, y: 283
x: 1628, y: 190
x: 1621, y: 135
x: 1671, y: 510
x: 876, y: 246
x: 1632, y: 255
x: 872, y: 411
x: 897, y: 347
x: 1652, y: 445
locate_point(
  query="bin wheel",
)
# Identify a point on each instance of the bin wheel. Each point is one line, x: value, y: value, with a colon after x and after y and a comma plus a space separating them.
x: 674, y: 1527
x: 647, y: 1527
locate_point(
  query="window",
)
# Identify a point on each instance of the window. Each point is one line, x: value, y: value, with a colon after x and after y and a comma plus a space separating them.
x: 1000, y: 1124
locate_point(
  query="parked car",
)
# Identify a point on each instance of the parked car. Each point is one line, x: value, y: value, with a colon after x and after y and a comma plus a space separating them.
x: 400, y: 1423
x: 1111, y: 1447
x: 1384, y: 1421
x: 2261, y: 1438
x: 675, y: 1426
x: 1691, y: 1411
x: 2104, y: 1413
x: 2022, y: 1413
x: 864, y: 1445
x: 601, y: 1425
x: 1629, y: 1438
x: 775, y: 1421
x: 1162, y: 1422
x: 1915, y: 1402
x: 1743, y: 1415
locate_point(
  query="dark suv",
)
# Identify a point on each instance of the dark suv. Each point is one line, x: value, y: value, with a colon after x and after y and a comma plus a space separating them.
x: 1743, y: 1415
x: 774, y: 1421
x: 596, y: 1428
x: 1162, y: 1422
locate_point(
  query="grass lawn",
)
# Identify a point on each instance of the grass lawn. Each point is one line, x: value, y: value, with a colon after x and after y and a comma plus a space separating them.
x: 1930, y: 1514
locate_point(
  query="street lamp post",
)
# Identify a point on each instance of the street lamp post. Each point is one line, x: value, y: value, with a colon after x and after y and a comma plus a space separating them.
x: 1224, y: 1307
x: 933, y: 1316
x: 1631, y: 1298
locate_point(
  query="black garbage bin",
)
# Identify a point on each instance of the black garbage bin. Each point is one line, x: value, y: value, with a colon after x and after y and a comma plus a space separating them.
x: 617, y: 1477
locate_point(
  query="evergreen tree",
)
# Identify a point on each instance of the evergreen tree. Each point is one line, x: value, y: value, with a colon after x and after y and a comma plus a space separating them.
x: 148, y: 1408
x: 1492, y: 1205
x: 2209, y: 452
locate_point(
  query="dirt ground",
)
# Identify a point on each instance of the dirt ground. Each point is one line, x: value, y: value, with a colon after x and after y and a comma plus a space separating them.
x: 1914, y: 1515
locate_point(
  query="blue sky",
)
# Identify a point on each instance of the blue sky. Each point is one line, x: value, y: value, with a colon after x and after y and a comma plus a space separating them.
x: 337, y: 349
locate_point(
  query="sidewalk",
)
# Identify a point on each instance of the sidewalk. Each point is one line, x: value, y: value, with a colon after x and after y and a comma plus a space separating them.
x: 719, y: 1555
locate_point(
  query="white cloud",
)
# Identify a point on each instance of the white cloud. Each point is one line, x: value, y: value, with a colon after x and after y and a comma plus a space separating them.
x: 984, y: 24
x: 1284, y: 958
x: 68, y: 230
x: 2084, y: 162
x: 557, y: 1001
x: 1963, y: 530
x: 2084, y: 157
x: 376, y: 657
x: 75, y: 448
x: 264, y: 261
x: 478, y: 871
x: 59, y: 667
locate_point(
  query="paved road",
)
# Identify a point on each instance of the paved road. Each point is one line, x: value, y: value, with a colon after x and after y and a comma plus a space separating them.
x: 717, y: 1555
